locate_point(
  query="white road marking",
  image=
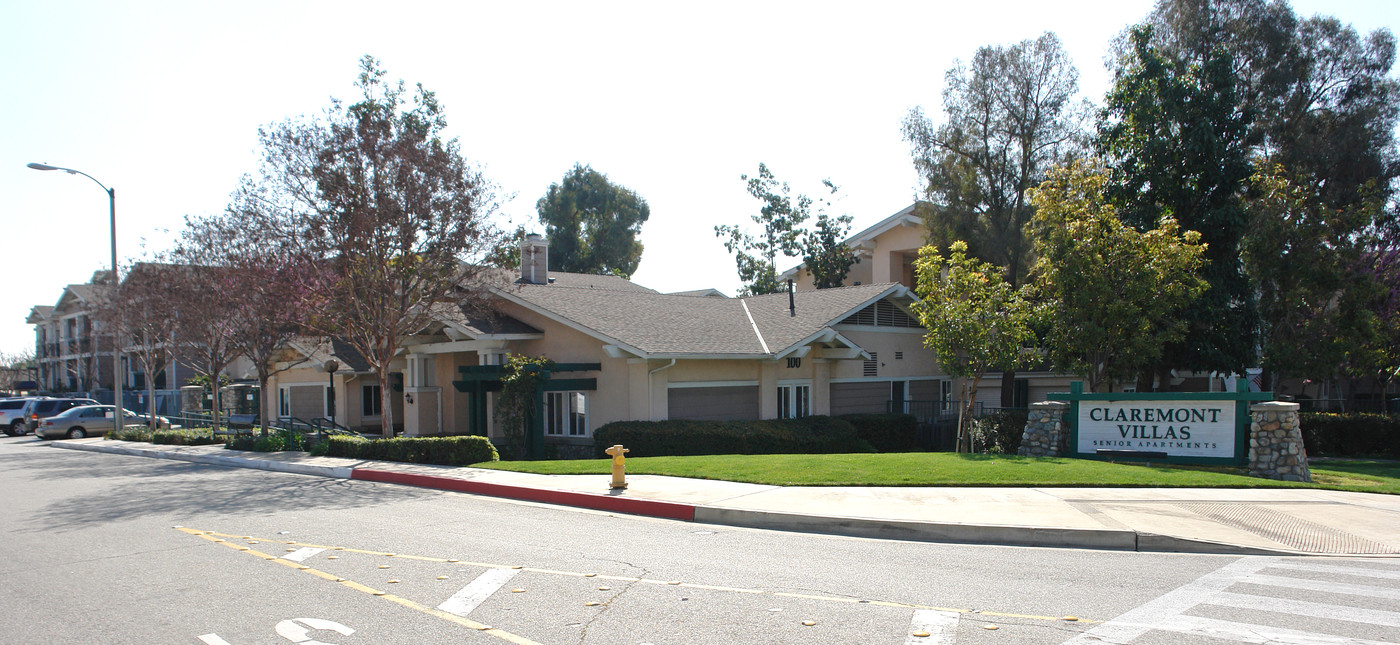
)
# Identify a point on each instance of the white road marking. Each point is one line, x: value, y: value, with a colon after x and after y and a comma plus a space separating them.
x: 1323, y: 586
x: 1166, y: 613
x: 1305, y: 608
x: 1260, y: 634
x: 300, y: 555
x: 1338, y: 569
x: 1139, y: 621
x: 212, y: 639
x: 942, y: 627
x: 465, y: 601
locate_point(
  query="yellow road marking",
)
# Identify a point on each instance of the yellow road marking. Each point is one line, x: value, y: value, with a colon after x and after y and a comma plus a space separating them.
x: 350, y: 584
x: 879, y: 603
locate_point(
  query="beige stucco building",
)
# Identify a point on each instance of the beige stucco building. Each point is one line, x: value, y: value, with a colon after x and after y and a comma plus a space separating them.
x: 636, y: 354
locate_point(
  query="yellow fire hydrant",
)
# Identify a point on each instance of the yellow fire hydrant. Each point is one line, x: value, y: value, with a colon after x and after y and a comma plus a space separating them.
x: 619, y: 468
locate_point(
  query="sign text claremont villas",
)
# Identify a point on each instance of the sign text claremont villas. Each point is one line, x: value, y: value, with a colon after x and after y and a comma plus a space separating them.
x: 1189, y: 427
x: 1178, y: 428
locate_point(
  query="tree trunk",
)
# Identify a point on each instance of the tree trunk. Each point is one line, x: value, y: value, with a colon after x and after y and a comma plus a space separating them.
x: 1008, y: 389
x: 386, y: 408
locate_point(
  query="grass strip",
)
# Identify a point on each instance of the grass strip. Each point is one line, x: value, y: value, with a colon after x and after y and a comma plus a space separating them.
x: 950, y: 469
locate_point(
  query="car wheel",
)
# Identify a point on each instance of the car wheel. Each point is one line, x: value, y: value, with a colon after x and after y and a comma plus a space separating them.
x: 76, y: 433
x: 16, y: 429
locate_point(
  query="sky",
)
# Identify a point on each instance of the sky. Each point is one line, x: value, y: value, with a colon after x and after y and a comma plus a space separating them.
x: 162, y: 101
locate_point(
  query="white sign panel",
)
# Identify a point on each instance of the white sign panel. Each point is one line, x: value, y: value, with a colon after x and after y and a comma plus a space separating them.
x: 1178, y: 428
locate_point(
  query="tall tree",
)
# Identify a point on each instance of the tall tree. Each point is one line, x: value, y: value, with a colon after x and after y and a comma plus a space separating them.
x: 1011, y: 117
x: 592, y: 224
x: 261, y: 281
x: 1109, y: 294
x: 976, y: 321
x: 1304, y: 258
x: 385, y: 207
x: 1325, y: 104
x: 825, y: 255
x: 781, y: 218
x: 1174, y: 131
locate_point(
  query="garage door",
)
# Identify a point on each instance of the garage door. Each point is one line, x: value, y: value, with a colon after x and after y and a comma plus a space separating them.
x: 739, y: 403
x: 865, y: 397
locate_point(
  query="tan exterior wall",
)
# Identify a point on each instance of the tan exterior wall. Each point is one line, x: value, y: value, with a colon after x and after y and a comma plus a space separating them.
x: 885, y: 342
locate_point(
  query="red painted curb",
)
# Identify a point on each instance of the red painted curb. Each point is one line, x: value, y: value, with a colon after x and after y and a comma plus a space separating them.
x: 652, y: 508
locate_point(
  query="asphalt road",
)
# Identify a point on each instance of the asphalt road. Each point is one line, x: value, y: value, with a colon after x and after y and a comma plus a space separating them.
x: 114, y: 549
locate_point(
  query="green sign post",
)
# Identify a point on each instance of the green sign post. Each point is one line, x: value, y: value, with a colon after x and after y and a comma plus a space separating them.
x: 1208, y: 428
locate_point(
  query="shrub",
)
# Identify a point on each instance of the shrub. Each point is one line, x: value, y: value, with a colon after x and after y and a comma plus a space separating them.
x: 274, y: 442
x: 443, y: 451
x: 1351, y: 435
x: 808, y: 435
x: 131, y: 433
x: 886, y: 432
x: 999, y: 432
x: 202, y: 437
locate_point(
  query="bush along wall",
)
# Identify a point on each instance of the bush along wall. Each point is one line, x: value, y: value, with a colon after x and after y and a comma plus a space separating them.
x: 679, y: 437
x: 886, y: 432
x: 442, y: 451
x: 1351, y: 435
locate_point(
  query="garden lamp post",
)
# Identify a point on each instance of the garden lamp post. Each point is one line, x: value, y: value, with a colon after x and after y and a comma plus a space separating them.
x: 117, y: 406
x: 330, y: 367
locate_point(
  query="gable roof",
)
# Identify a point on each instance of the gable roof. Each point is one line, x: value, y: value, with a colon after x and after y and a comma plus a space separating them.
x: 656, y: 325
x: 38, y: 314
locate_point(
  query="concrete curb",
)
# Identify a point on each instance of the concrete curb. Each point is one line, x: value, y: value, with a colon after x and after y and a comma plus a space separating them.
x: 914, y: 530
x: 338, y: 472
x: 632, y: 505
x: 909, y: 530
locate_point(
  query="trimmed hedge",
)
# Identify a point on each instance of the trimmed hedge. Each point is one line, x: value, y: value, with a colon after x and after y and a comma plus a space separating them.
x: 198, y: 437
x: 1351, y: 435
x: 886, y: 432
x: 679, y: 437
x: 203, y: 437
x: 442, y: 451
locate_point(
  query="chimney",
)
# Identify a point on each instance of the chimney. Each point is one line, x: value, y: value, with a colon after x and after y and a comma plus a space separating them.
x: 534, y: 259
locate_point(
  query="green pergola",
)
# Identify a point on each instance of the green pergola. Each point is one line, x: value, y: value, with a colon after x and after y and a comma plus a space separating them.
x: 477, y: 380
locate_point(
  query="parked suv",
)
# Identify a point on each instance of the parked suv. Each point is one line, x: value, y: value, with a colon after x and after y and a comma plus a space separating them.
x: 44, y: 408
x: 12, y: 415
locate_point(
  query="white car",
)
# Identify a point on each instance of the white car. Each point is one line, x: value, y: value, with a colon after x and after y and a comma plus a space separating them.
x: 86, y: 421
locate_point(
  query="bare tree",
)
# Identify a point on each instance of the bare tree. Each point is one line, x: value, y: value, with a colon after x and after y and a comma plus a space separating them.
x: 384, y: 214
x: 146, y: 326
x: 16, y: 367
x: 260, y: 280
x: 203, y: 312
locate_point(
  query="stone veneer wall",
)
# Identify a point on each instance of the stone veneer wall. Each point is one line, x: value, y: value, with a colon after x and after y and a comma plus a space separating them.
x: 1046, y: 431
x: 1276, y: 443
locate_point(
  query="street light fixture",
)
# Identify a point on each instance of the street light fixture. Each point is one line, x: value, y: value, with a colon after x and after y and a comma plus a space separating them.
x: 117, y: 406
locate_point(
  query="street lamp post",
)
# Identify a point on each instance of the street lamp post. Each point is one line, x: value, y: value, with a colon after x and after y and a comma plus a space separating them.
x: 117, y: 407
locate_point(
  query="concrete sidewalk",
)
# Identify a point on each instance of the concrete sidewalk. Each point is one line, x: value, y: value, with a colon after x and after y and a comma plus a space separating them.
x: 1235, y: 521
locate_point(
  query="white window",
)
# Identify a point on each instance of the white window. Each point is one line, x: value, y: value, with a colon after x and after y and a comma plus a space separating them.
x: 566, y: 414
x: 370, y: 404
x: 284, y: 402
x: 794, y: 401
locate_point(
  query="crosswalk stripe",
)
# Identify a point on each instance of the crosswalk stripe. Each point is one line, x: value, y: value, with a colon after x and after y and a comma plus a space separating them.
x: 1338, y: 569
x: 465, y: 601
x: 1321, y: 585
x: 300, y: 555
x: 942, y: 627
x: 1305, y: 608
x: 1142, y: 619
x: 1259, y: 634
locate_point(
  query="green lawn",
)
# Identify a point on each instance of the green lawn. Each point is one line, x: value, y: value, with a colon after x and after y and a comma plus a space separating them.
x: 949, y: 469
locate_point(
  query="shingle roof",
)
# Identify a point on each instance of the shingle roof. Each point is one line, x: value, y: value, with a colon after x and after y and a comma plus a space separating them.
x: 675, y: 325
